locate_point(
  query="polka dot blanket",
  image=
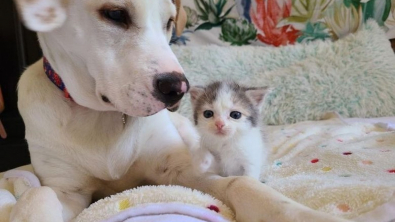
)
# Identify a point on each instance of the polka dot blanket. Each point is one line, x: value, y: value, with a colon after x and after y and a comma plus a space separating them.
x: 344, y: 167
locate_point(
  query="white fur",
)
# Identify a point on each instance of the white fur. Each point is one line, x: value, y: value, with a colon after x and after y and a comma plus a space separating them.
x: 112, y: 64
x: 241, y: 151
x: 43, y: 15
x: 82, y: 150
x: 242, y: 156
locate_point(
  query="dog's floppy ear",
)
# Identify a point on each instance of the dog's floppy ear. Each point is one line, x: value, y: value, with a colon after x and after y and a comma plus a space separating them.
x: 181, y: 18
x: 42, y: 15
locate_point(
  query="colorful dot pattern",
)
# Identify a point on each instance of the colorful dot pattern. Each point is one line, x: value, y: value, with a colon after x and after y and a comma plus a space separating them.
x: 330, y: 156
x: 213, y: 208
x: 344, y: 207
x: 315, y: 160
x: 326, y: 169
x: 124, y: 204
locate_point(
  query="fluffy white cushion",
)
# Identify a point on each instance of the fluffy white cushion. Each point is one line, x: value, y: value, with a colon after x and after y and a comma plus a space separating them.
x: 354, y: 76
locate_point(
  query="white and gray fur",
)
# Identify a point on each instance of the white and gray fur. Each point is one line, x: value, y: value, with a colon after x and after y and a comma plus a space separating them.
x: 239, y: 150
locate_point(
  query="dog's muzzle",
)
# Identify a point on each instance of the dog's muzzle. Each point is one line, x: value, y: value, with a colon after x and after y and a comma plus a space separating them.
x: 170, y: 88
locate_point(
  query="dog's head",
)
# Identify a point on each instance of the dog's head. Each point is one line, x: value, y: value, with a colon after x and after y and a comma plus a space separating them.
x: 113, y: 55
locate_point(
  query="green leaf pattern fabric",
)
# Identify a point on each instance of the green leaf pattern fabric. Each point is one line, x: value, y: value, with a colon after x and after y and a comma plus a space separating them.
x: 279, y: 22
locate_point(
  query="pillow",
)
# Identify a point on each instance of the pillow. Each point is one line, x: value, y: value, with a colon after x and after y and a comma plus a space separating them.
x: 280, y: 22
x: 354, y: 76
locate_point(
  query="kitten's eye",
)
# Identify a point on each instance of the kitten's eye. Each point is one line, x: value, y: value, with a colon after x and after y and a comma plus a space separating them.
x: 118, y: 16
x: 235, y: 115
x: 208, y: 114
x: 169, y: 24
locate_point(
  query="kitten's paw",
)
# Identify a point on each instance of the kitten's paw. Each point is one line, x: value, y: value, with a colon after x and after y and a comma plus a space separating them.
x: 253, y: 171
x: 253, y: 175
x: 202, y: 160
x: 206, y: 162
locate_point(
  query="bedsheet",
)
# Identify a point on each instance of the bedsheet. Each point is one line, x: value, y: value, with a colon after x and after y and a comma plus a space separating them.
x: 344, y: 167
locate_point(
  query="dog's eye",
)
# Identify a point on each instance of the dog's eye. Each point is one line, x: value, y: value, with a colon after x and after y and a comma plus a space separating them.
x: 118, y: 16
x: 169, y: 24
x: 208, y: 114
x: 235, y: 115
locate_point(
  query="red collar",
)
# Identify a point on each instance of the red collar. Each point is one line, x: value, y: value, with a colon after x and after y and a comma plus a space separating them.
x: 55, y: 78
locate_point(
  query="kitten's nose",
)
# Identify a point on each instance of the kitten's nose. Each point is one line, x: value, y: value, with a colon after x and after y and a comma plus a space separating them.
x: 219, y: 124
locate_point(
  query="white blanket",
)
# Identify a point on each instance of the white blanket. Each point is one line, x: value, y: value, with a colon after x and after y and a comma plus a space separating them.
x: 343, y: 167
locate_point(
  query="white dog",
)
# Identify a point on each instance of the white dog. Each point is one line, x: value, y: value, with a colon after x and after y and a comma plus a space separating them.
x: 114, y: 58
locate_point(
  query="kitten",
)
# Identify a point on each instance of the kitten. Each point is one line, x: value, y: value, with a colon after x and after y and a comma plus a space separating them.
x: 227, y: 117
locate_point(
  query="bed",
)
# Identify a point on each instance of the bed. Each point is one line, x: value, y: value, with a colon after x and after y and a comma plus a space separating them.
x: 342, y: 166
x: 330, y: 128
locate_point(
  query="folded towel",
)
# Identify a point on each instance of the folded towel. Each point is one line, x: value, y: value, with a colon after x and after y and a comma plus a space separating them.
x: 21, y: 194
x: 158, y: 203
x: 167, y: 212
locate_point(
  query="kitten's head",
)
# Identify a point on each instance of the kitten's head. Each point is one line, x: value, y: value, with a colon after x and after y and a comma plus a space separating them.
x: 223, y: 109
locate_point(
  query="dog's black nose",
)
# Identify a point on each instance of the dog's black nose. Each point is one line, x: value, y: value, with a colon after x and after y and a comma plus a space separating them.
x: 170, y: 87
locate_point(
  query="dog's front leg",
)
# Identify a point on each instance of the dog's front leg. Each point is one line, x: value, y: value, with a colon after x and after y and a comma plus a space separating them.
x: 251, y: 200
x: 186, y: 130
x: 73, y: 203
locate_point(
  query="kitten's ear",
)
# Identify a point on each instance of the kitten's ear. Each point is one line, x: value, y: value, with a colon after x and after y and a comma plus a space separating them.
x: 42, y: 15
x: 257, y: 95
x: 196, y: 92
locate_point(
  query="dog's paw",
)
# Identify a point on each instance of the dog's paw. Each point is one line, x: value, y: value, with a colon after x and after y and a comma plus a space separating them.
x: 187, y: 131
x: 190, y: 136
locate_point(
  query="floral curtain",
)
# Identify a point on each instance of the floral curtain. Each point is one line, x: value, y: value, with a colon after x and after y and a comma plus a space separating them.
x: 280, y: 22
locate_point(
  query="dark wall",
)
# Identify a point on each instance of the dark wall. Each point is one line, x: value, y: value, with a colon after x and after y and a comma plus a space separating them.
x: 18, y: 48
